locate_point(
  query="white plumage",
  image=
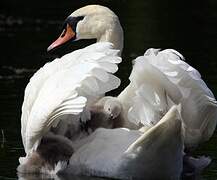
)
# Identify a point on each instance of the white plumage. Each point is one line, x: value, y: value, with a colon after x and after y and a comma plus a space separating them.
x: 160, y: 79
x: 66, y: 86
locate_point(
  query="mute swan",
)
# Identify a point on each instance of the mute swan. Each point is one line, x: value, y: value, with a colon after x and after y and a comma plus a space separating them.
x: 159, y: 79
x: 127, y: 152
x: 164, y: 78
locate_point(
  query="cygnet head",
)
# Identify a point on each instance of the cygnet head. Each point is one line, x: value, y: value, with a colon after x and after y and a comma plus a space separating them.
x: 106, y: 113
x: 113, y: 107
x: 91, y: 22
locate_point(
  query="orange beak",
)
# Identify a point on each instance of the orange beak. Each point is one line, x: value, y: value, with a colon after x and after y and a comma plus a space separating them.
x: 65, y: 36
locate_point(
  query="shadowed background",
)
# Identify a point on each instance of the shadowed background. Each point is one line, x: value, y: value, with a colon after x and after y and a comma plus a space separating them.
x: 28, y: 27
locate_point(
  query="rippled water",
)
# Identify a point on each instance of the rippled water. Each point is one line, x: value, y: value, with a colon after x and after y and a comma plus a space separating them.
x: 27, y: 29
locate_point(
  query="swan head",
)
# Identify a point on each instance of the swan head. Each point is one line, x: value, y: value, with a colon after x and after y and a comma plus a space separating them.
x: 91, y: 22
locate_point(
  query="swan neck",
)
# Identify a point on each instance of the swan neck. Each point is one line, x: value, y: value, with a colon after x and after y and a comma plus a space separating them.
x: 113, y: 35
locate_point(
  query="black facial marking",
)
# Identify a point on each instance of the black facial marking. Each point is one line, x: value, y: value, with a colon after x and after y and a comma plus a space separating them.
x: 72, y: 21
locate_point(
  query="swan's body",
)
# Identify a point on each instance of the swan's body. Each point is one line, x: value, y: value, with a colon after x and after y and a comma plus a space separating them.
x: 74, y: 83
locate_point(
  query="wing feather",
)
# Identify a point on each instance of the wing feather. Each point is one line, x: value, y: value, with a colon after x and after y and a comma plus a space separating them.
x: 66, y: 86
x: 170, y: 80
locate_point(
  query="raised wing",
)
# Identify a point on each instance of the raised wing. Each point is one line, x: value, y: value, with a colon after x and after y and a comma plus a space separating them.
x: 160, y: 79
x: 145, y: 98
x: 66, y: 86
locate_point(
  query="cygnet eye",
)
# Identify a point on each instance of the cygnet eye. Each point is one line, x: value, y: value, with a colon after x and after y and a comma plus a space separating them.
x: 109, y: 109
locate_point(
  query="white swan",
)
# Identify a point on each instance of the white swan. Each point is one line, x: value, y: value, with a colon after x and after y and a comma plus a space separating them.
x: 158, y: 79
x: 72, y: 84
x: 76, y: 86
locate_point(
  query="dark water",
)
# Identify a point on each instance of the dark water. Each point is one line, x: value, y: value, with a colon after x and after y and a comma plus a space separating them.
x: 28, y: 27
